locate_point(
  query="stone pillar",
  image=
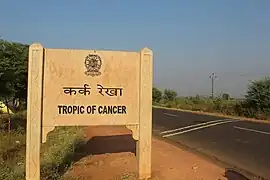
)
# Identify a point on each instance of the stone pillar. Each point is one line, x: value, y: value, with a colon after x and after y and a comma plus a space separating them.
x: 145, y: 115
x: 34, y: 111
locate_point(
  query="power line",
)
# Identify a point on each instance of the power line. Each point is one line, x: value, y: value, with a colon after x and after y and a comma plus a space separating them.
x: 213, y: 77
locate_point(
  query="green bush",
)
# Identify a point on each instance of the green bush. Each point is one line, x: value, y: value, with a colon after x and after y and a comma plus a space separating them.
x: 156, y: 95
x: 18, y: 120
x: 57, y: 154
x: 258, y: 98
x: 169, y: 95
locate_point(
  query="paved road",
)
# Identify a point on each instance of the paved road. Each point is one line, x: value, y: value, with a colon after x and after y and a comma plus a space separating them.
x: 243, y: 144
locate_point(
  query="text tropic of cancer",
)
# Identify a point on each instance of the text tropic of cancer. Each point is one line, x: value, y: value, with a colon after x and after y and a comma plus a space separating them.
x: 85, y: 90
x: 91, y: 109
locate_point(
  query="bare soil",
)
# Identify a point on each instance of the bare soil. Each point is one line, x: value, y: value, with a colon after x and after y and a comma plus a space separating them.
x: 110, y: 155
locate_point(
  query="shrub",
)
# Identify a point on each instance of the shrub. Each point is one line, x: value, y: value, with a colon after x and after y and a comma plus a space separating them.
x: 225, y: 96
x: 258, y: 97
x: 156, y: 95
x: 169, y: 95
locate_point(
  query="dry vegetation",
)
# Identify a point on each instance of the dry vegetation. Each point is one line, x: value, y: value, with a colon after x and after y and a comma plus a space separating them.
x: 255, y: 105
x: 56, y: 154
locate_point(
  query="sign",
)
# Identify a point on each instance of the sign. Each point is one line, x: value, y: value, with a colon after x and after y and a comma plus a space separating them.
x: 68, y: 87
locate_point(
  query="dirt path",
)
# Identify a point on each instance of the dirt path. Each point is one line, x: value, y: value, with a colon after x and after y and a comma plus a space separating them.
x: 109, y: 155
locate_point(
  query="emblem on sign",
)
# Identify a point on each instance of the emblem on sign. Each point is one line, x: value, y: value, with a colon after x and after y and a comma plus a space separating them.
x: 92, y: 64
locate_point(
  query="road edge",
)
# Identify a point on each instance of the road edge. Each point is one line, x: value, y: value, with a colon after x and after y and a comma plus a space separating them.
x: 215, y: 114
x: 204, y: 155
x: 210, y: 158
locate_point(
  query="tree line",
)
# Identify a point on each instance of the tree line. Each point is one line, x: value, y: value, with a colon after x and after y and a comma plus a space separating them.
x: 256, y: 102
x: 13, y: 91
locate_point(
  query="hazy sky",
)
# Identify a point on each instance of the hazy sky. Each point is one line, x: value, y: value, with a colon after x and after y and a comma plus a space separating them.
x: 189, y: 39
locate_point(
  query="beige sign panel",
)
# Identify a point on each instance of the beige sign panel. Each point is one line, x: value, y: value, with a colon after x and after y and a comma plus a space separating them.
x: 96, y: 87
x: 68, y: 87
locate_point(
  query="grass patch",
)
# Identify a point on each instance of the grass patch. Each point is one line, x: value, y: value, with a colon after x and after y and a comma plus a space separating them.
x: 57, y: 154
x: 12, y: 155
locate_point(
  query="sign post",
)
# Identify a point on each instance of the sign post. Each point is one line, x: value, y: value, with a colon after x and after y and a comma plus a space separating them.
x: 68, y: 87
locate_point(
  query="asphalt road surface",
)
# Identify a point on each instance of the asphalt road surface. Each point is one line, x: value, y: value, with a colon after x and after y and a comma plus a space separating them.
x: 238, y: 143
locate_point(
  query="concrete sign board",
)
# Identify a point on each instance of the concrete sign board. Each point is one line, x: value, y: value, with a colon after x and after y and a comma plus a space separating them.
x: 70, y: 87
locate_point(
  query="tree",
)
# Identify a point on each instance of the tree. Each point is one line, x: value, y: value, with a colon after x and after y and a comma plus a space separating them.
x: 225, y: 96
x: 13, y: 72
x: 156, y: 94
x: 169, y: 95
x: 258, y: 96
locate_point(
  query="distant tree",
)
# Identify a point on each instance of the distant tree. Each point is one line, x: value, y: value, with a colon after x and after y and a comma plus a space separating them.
x: 225, y: 96
x: 156, y: 94
x: 13, y: 72
x: 258, y: 96
x: 169, y: 95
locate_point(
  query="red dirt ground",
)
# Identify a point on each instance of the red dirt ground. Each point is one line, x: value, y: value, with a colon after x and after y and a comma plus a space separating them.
x: 109, y: 155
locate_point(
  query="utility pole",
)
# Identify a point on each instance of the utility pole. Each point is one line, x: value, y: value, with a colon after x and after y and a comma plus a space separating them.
x: 213, y: 77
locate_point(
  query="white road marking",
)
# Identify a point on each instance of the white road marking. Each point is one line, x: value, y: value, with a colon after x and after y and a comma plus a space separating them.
x: 252, y: 130
x: 193, y: 129
x: 168, y: 114
x: 194, y: 125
